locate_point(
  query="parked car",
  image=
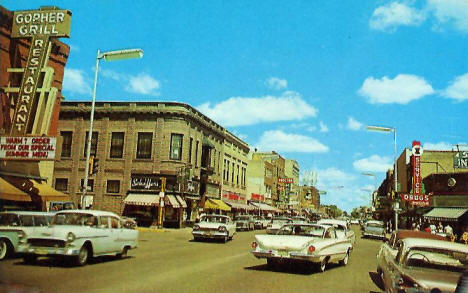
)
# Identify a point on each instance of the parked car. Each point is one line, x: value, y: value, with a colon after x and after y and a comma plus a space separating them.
x: 311, y: 243
x: 374, y: 229
x: 214, y: 227
x: 260, y: 222
x: 276, y: 223
x: 425, y: 265
x: 389, y: 249
x: 342, y: 229
x: 80, y: 235
x: 354, y: 222
x: 15, y: 225
x: 244, y: 222
x: 299, y: 220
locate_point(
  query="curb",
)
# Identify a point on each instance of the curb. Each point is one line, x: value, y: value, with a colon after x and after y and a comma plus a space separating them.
x: 144, y: 229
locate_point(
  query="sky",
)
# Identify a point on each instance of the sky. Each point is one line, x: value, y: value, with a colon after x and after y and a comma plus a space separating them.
x: 302, y: 78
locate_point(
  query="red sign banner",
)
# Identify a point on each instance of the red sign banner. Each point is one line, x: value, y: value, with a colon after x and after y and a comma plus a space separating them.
x: 416, y: 168
x: 256, y: 196
x: 422, y: 200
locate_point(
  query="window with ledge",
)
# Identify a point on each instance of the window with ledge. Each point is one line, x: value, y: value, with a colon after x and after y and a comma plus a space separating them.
x: 113, y: 186
x: 190, y: 151
x: 117, y: 145
x: 94, y: 142
x: 196, y: 154
x: 67, y: 137
x: 176, y: 146
x: 90, y: 185
x: 144, y: 145
x: 61, y: 184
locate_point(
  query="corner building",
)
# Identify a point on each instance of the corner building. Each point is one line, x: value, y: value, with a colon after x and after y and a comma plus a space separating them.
x: 137, y: 145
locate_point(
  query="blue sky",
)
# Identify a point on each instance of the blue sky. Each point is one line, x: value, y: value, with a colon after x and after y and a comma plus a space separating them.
x: 302, y: 78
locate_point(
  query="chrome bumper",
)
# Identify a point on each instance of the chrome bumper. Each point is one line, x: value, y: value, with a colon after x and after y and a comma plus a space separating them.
x: 209, y: 234
x: 67, y: 251
x: 287, y: 256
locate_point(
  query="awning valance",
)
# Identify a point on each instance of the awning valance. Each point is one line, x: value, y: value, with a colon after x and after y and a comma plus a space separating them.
x: 446, y: 214
x: 9, y: 192
x: 265, y: 207
x: 216, y: 204
x: 142, y: 199
x: 48, y: 193
x: 172, y: 201
x: 240, y: 206
x: 181, y: 201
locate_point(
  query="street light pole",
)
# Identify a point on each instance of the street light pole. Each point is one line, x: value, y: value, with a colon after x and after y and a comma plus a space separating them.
x: 107, y: 56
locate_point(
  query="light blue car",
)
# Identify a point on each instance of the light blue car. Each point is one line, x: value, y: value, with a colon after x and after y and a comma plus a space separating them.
x: 374, y: 229
x: 15, y: 226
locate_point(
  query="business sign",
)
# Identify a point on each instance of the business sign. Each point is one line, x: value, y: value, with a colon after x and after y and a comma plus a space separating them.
x: 40, y: 25
x: 416, y: 200
x: 417, y: 151
x: 256, y: 196
x: 27, y: 148
x: 146, y: 182
x: 286, y: 180
x: 460, y: 160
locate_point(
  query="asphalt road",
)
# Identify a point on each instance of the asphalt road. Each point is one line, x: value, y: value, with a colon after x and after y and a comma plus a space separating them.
x: 171, y: 262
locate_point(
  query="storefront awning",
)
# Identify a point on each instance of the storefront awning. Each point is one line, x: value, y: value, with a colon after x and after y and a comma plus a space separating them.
x: 446, y: 214
x: 142, y: 199
x: 240, y: 206
x: 265, y: 207
x: 172, y: 201
x: 9, y: 192
x: 48, y: 193
x: 216, y: 204
x: 181, y: 201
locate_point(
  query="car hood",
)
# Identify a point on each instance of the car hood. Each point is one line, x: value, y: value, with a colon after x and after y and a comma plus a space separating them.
x: 446, y: 281
x: 285, y: 242
x: 376, y: 230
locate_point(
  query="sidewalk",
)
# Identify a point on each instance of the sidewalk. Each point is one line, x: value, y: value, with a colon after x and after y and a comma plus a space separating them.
x: 151, y: 229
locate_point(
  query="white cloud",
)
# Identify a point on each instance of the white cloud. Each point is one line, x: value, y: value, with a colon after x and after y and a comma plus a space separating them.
x: 458, y: 88
x: 74, y: 81
x: 403, y: 89
x: 143, y: 84
x: 113, y: 74
x: 333, y: 178
x: 280, y: 141
x: 323, y: 127
x: 389, y: 17
x: 241, y: 111
x: 276, y: 83
x: 439, y: 146
x: 373, y: 163
x: 353, y: 124
x: 451, y: 11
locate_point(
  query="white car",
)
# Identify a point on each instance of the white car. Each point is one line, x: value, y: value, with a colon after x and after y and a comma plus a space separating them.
x: 276, y: 223
x: 261, y: 222
x: 79, y: 235
x: 316, y: 244
x: 342, y: 229
x: 214, y: 227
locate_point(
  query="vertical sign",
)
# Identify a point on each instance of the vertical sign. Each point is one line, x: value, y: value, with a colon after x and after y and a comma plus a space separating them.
x: 39, y: 25
x: 417, y: 152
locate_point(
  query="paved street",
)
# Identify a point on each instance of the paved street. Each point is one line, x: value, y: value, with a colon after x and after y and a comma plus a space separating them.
x: 171, y: 262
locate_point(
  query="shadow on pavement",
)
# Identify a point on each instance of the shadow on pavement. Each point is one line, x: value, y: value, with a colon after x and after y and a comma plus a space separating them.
x: 68, y: 263
x: 291, y: 268
x: 377, y: 280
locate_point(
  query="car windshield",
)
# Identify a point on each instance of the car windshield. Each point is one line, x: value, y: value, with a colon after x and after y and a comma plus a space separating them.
x: 302, y: 230
x: 9, y: 220
x: 439, y: 259
x: 74, y: 219
x: 281, y: 220
x: 242, y: 218
x: 214, y: 219
x: 375, y: 225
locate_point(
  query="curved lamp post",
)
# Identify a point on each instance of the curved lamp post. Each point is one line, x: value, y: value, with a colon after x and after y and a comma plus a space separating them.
x: 107, y: 56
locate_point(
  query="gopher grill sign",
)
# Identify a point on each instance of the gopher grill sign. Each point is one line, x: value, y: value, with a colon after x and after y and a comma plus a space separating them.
x: 39, y: 25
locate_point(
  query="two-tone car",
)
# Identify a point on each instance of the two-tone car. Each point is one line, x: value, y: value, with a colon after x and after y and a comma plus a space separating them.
x: 276, y: 223
x: 314, y: 244
x: 342, y: 229
x: 244, y: 223
x: 425, y: 265
x: 214, y: 227
x: 260, y: 222
x: 79, y: 235
x: 374, y: 229
x: 14, y: 225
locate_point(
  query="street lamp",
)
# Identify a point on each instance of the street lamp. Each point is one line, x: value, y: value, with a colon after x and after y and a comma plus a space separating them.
x: 107, y: 56
x: 390, y: 129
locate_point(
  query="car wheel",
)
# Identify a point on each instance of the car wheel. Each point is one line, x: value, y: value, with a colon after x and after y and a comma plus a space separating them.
x: 29, y: 258
x: 82, y: 257
x: 4, y: 249
x: 123, y: 254
x: 344, y: 261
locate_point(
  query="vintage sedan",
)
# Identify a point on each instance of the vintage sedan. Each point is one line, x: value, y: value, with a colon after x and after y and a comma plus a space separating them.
x: 425, y: 265
x: 80, y: 235
x: 260, y: 222
x: 299, y: 220
x: 342, y: 229
x: 276, y: 223
x: 310, y: 243
x: 14, y: 224
x: 374, y: 229
x: 214, y: 227
x: 244, y: 222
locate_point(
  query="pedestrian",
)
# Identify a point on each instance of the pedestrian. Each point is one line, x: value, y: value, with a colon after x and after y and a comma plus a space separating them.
x: 414, y: 227
x: 440, y: 228
x: 428, y: 228
x: 448, y: 230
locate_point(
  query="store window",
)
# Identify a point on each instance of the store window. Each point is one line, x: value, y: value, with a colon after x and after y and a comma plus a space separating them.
x: 113, y: 186
x: 144, y: 145
x: 94, y: 141
x: 61, y: 184
x: 67, y: 137
x: 117, y: 144
x: 90, y: 185
x: 176, y: 146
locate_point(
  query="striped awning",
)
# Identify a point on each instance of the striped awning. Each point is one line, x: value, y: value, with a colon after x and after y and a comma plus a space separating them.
x: 172, y: 201
x: 240, y: 206
x: 142, y: 199
x: 181, y: 201
x: 446, y: 214
x: 265, y: 207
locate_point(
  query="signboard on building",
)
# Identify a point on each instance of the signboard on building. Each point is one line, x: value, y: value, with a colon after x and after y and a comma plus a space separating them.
x: 256, y: 196
x: 27, y: 148
x: 146, y: 182
x: 460, y: 160
x: 40, y: 25
x: 416, y: 200
x: 417, y: 152
x: 286, y: 180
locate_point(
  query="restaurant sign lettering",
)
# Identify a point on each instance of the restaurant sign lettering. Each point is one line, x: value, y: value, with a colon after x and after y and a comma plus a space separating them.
x: 27, y: 148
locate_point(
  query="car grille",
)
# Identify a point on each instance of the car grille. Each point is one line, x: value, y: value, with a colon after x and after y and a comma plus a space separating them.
x: 208, y: 229
x: 46, y: 242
